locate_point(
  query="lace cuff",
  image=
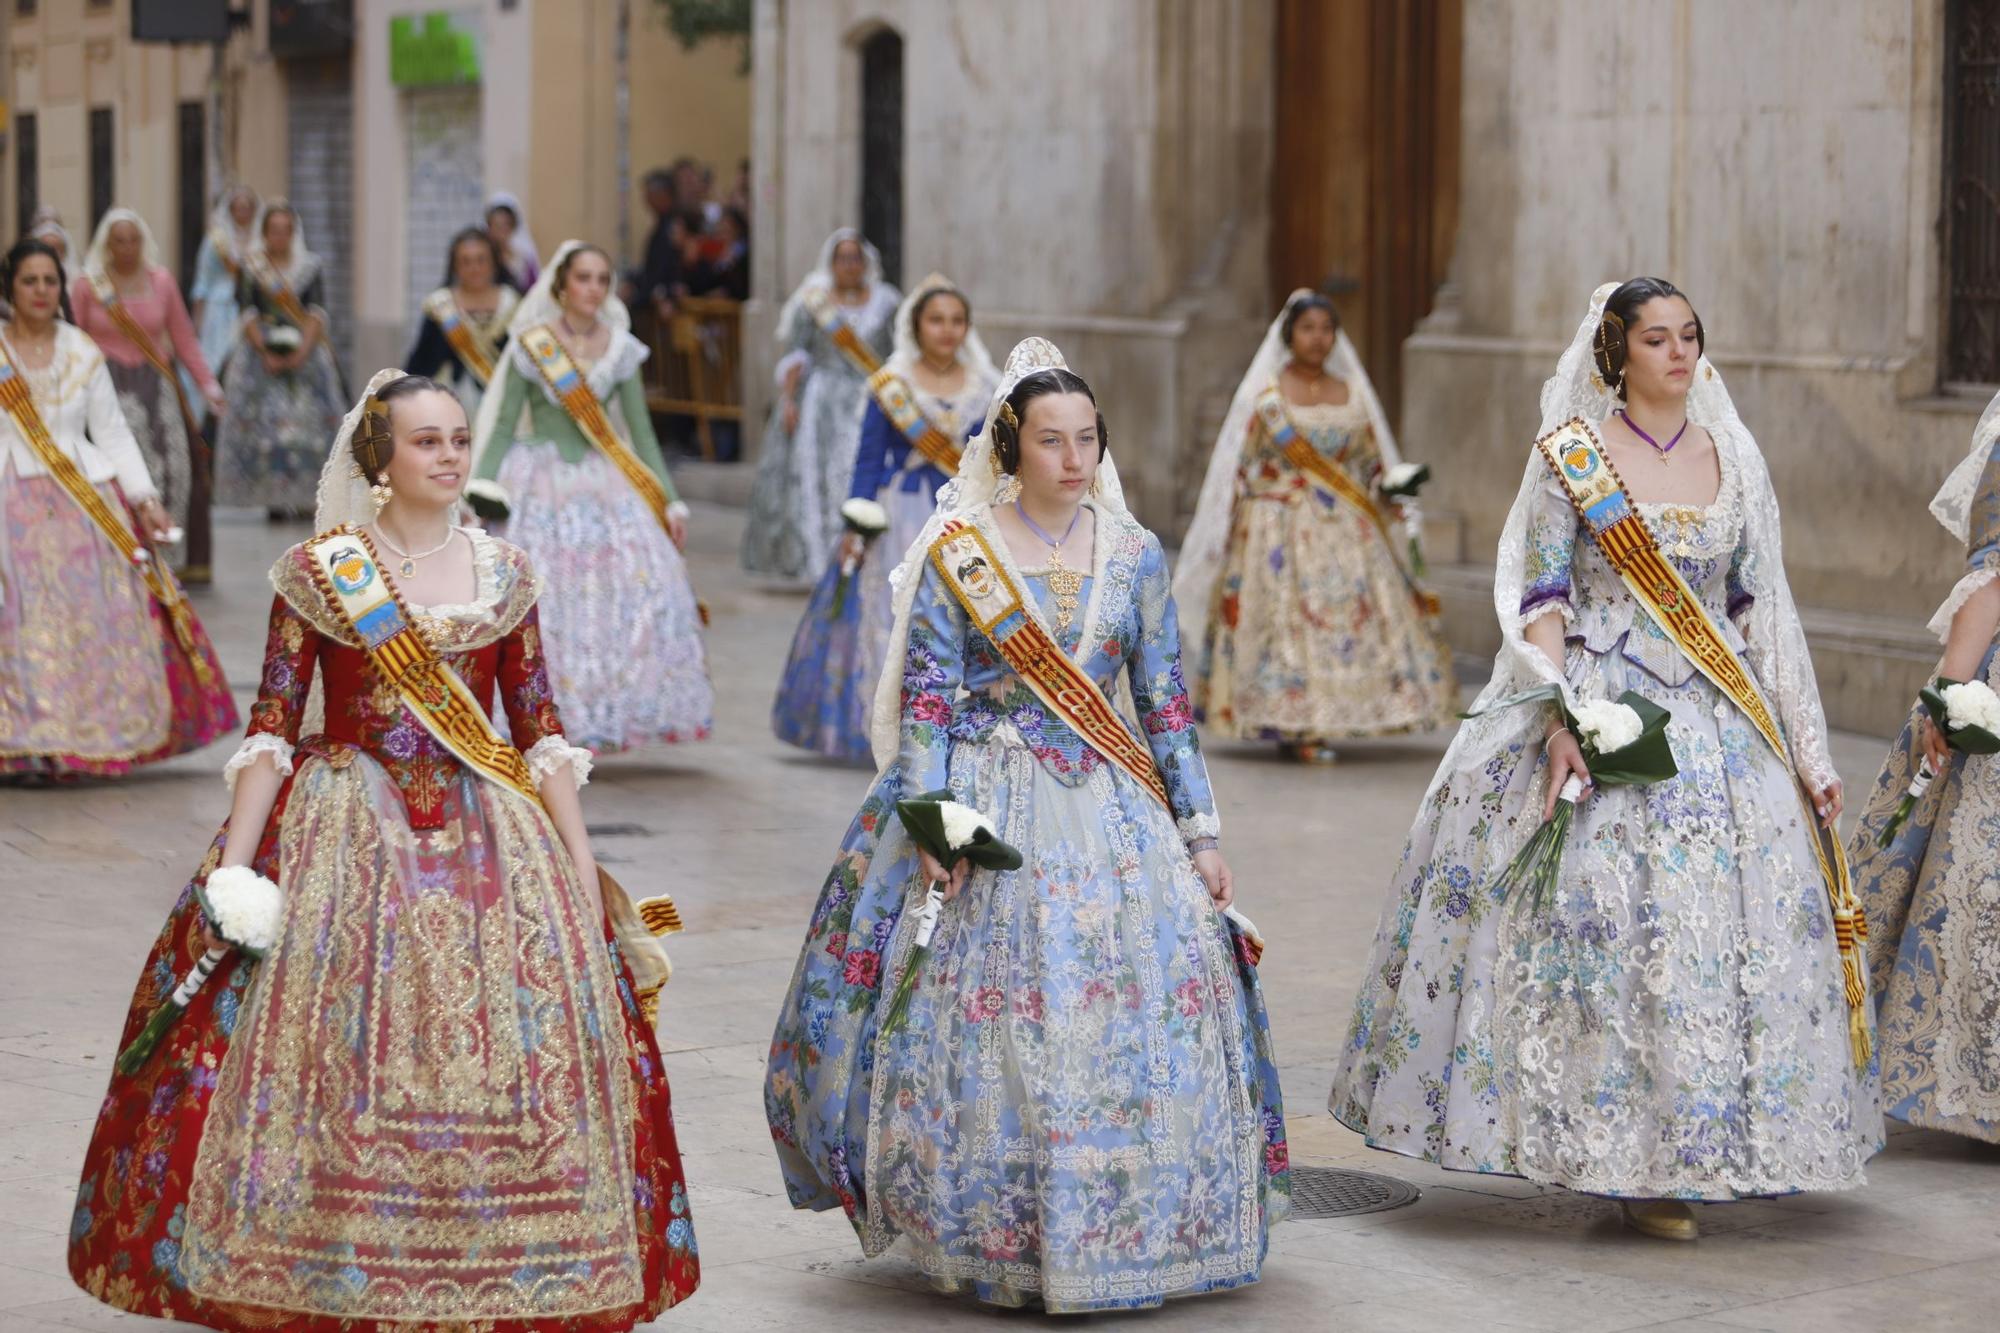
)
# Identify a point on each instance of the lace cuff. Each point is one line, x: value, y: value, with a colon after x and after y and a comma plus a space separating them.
x: 1199, y: 826
x: 550, y: 753
x: 678, y: 509
x: 801, y: 357
x: 256, y: 743
x: 1961, y: 593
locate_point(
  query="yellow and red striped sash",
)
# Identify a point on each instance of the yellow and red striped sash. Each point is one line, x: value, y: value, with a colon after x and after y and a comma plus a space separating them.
x: 968, y: 566
x: 1583, y: 469
x: 272, y: 281
x: 349, y: 574
x: 128, y: 324
x: 573, y: 391
x: 473, y: 352
x: 825, y: 311
x: 19, y: 403
x: 893, y: 395
x: 1332, y: 479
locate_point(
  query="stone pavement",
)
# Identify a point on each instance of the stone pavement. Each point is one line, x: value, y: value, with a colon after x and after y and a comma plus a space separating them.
x: 742, y: 830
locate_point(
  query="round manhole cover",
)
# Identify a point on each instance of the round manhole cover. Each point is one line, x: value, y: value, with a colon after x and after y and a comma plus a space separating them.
x: 1320, y: 1191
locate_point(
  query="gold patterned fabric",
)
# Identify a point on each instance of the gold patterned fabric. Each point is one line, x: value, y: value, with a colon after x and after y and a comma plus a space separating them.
x: 420, y: 1115
x: 1314, y: 633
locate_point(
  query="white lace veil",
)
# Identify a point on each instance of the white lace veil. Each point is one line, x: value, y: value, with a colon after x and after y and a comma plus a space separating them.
x: 300, y: 270
x: 1776, y: 641
x: 343, y: 491
x: 97, y: 261
x: 821, y: 275
x: 1952, y: 505
x: 219, y: 220
x: 521, y: 245
x: 1207, y: 539
x: 972, y: 353
x: 968, y: 497
x: 539, y: 306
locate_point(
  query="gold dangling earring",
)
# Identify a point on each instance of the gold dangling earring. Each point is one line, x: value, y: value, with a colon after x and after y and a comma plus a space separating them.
x: 380, y: 494
x: 1009, y: 489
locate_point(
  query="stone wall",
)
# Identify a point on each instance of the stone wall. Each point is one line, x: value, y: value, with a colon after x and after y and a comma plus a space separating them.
x: 1093, y: 172
x: 1779, y: 162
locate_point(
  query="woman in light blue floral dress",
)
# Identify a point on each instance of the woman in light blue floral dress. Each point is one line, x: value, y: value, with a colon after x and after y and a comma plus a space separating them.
x: 1672, y: 1023
x: 1933, y: 894
x: 1081, y: 1106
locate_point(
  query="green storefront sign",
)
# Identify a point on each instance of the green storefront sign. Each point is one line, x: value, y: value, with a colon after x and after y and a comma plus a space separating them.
x: 428, y: 51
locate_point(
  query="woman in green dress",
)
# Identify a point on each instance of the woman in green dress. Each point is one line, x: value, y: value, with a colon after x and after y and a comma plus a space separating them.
x: 620, y: 623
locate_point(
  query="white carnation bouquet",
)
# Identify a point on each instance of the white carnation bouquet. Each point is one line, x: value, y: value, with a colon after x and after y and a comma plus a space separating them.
x: 951, y: 832
x: 1967, y: 714
x: 866, y: 519
x: 247, y: 911
x: 1401, y: 483
x: 282, y: 339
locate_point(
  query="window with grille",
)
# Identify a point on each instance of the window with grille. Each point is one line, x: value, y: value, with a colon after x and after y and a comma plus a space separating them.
x: 1972, y: 192
x: 101, y: 147
x: 882, y: 148
x: 192, y: 188
x: 27, y: 171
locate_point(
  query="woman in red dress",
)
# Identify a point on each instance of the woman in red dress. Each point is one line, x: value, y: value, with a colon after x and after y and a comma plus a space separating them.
x: 411, y: 1112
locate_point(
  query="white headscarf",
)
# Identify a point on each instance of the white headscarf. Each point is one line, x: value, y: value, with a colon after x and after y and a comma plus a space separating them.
x: 1952, y: 505
x: 222, y: 226
x: 521, y: 245
x: 51, y: 229
x: 1776, y: 642
x: 1207, y: 539
x: 821, y: 275
x: 967, y: 498
x: 97, y: 263
x: 343, y: 491
x: 538, y: 307
x: 303, y: 266
x: 972, y: 353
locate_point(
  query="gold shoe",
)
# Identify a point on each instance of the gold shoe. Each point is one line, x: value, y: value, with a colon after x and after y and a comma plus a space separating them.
x: 1662, y: 1219
x: 197, y: 575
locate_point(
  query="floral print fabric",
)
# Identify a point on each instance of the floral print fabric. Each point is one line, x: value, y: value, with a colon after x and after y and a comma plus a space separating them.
x: 1672, y: 1023
x: 1082, y: 1106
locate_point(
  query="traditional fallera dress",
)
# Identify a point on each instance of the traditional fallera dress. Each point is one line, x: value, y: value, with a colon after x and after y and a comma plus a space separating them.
x: 910, y: 442
x: 624, y: 628
x: 462, y: 348
x: 435, y: 1099
x: 1678, y: 1021
x: 147, y: 341
x: 1309, y: 622
x: 803, y: 475
x: 1082, y: 1104
x: 216, y: 265
x: 1933, y: 894
x: 272, y: 440
x: 100, y: 670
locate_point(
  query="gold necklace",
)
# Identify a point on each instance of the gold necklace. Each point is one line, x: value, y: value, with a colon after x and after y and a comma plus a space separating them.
x: 1064, y: 582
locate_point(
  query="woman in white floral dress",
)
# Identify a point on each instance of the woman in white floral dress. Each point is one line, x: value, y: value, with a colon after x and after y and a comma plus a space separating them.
x: 1674, y: 1022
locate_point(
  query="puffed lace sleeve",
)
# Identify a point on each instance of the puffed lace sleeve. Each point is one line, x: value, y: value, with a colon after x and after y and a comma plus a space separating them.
x: 1982, y: 546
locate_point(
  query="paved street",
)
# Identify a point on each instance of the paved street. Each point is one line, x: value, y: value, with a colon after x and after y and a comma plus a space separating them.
x: 741, y: 831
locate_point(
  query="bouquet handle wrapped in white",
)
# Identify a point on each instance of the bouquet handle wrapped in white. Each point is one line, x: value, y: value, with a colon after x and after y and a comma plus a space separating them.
x: 866, y: 519
x: 1402, y: 482
x: 246, y: 910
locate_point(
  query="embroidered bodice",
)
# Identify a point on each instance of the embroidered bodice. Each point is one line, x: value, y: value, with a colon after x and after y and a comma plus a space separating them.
x: 887, y: 460
x: 1339, y: 431
x: 958, y: 688
x: 76, y: 400
x: 613, y: 377
x: 492, y: 641
x: 1568, y: 574
x: 873, y: 321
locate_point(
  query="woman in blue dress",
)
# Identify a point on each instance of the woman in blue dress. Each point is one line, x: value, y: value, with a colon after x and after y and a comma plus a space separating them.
x: 1933, y: 894
x: 922, y: 406
x: 1080, y: 1105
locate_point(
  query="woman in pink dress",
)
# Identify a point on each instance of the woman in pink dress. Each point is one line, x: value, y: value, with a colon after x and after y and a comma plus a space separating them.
x: 131, y: 307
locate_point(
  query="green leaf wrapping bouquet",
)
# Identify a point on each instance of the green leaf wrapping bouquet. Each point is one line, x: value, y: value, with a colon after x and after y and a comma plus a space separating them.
x: 951, y: 832
x: 247, y: 911
x: 1967, y: 714
x: 1624, y: 744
